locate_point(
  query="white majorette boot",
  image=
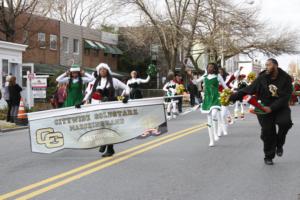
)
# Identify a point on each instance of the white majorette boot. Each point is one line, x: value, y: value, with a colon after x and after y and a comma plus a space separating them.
x: 224, y: 128
x: 236, y: 114
x: 220, y: 122
x: 215, y: 130
x: 211, y: 136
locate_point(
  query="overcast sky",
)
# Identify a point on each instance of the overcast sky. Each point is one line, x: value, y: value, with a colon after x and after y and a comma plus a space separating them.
x: 279, y: 13
x: 282, y: 13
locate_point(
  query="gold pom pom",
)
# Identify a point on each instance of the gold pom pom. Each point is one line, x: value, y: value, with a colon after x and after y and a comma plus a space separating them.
x: 251, y: 77
x: 180, y: 89
x: 120, y: 98
x: 224, y: 97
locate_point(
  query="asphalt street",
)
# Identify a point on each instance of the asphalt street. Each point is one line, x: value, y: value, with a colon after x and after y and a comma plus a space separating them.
x: 177, y: 165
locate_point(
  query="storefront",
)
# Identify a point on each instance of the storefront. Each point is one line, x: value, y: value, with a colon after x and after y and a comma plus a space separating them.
x: 10, y: 62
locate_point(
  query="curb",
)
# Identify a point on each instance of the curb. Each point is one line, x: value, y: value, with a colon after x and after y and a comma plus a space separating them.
x: 13, y: 129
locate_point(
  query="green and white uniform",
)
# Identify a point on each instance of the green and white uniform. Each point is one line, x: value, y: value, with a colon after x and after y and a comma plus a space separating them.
x: 211, y: 104
x: 75, y: 91
x: 211, y: 92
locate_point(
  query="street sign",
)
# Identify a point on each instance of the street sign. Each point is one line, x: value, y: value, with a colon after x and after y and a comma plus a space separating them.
x: 31, y: 76
x: 39, y: 87
x: 39, y: 93
x: 39, y: 82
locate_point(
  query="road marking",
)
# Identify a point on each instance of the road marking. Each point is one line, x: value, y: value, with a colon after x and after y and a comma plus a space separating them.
x: 92, y: 164
x: 98, y: 168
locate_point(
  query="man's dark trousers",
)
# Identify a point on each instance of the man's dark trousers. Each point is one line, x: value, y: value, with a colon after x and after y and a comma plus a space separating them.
x: 272, y: 136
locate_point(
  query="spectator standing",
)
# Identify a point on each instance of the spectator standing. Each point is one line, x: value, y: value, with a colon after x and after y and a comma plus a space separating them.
x: 14, y: 98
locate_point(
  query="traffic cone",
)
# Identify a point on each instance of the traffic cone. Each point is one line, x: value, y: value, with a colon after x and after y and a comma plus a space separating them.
x: 22, y: 119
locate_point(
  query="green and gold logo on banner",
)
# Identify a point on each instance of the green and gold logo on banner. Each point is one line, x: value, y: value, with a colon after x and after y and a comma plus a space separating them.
x: 49, y: 138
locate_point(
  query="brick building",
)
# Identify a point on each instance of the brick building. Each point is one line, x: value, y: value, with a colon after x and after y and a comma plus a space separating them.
x: 54, y: 45
x: 41, y: 35
x: 103, y: 49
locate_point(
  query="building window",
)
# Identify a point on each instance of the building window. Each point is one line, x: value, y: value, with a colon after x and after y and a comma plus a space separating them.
x: 53, y: 42
x: 113, y: 55
x: 76, y: 46
x: 66, y: 44
x: 42, y: 40
x: 105, y: 54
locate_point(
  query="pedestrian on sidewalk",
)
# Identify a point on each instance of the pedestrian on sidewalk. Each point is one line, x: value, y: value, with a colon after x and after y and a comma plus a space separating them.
x: 75, y: 78
x: 273, y: 88
x: 14, y: 98
x: 193, y: 89
x: 6, y: 97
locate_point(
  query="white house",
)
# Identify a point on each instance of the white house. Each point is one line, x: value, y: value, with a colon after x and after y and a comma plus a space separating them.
x: 11, y: 63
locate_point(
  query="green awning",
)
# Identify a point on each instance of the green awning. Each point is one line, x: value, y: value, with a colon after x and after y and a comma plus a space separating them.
x: 117, y: 50
x: 88, y: 44
x: 108, y: 49
x: 45, y: 69
x: 112, y: 50
x: 100, y: 45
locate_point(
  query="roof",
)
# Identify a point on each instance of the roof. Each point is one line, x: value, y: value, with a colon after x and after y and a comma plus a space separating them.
x: 46, y: 69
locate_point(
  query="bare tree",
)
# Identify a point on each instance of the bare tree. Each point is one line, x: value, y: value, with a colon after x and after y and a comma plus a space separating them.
x: 229, y: 29
x: 140, y: 37
x: 10, y: 11
x: 89, y: 13
x: 220, y: 27
x: 190, y: 32
x: 169, y: 23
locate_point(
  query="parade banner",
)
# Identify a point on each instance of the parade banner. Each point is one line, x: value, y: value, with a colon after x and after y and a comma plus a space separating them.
x: 95, y: 125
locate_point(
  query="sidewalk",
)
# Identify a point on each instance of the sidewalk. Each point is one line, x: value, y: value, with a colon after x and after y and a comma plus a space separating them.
x: 7, y: 126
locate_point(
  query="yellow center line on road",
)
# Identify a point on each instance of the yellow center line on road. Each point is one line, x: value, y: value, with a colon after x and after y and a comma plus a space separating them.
x: 92, y: 164
x: 98, y: 168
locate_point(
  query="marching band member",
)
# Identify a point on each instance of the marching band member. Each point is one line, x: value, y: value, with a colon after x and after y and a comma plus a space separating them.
x: 250, y: 79
x: 104, y: 89
x: 170, y: 89
x: 239, y: 84
x: 297, y: 90
x: 75, y: 78
x: 211, y: 104
x: 225, y: 115
x: 179, y: 81
x: 294, y: 98
x: 134, y: 83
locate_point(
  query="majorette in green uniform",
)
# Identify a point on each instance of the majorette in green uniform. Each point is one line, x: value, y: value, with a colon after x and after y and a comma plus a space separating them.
x: 75, y: 78
x: 211, y: 103
x: 211, y: 95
